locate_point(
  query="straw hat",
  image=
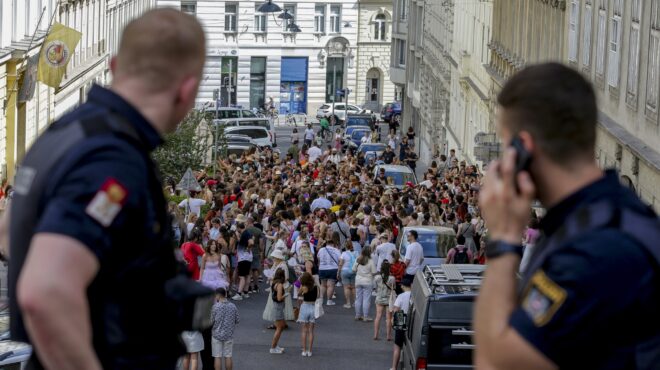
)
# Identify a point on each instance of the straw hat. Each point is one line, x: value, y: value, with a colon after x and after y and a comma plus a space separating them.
x: 277, y: 254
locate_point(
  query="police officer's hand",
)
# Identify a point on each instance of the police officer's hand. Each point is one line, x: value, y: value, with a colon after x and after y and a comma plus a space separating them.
x: 506, y: 211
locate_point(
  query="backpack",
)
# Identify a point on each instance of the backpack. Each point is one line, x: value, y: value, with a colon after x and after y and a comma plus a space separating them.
x: 461, y: 256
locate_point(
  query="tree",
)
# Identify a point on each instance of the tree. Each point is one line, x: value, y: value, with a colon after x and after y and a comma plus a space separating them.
x: 187, y: 147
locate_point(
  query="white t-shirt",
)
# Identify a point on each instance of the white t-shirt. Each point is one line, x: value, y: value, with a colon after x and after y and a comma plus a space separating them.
x: 309, y: 134
x: 384, y: 252
x: 329, y: 258
x: 195, y: 205
x: 414, y: 254
x: 403, y: 301
x: 314, y: 153
x: 348, y: 259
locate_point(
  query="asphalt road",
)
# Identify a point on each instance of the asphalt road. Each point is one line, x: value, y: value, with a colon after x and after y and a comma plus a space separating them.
x: 339, y: 341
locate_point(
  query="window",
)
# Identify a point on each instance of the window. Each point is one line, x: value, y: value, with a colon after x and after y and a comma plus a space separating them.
x: 257, y: 82
x: 379, y: 28
x: 600, y: 46
x: 319, y: 19
x: 401, y: 52
x: 335, y: 18
x: 633, y: 52
x: 259, y: 20
x: 586, y: 34
x: 291, y: 9
x: 615, y: 44
x: 231, y: 9
x: 403, y: 10
x: 573, y: 31
x: 189, y: 7
x: 653, y: 79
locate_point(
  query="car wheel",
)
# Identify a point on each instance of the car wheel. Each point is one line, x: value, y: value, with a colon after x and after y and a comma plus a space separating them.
x: 396, y: 118
x: 337, y: 121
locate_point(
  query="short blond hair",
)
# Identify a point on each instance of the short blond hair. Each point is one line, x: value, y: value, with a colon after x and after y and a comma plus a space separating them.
x: 161, y: 47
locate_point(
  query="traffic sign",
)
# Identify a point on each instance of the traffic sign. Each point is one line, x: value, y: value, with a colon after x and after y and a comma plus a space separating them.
x: 189, y: 182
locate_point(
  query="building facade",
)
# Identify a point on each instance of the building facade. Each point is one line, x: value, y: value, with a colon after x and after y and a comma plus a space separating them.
x: 374, y: 86
x: 616, y: 44
x: 253, y: 57
x: 421, y: 69
x: 471, y: 84
x: 23, y: 27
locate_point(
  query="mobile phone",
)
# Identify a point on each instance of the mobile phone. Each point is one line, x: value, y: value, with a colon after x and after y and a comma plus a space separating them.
x: 523, y: 158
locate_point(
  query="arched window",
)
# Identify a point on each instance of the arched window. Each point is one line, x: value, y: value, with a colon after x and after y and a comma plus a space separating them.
x: 380, y: 33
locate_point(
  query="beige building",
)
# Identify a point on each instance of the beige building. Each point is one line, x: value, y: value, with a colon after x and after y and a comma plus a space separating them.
x: 471, y: 84
x: 374, y: 86
x: 616, y: 44
x: 23, y: 26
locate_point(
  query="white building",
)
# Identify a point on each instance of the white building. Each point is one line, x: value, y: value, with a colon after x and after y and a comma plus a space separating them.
x: 23, y: 26
x: 470, y: 82
x: 253, y: 56
x: 399, y: 48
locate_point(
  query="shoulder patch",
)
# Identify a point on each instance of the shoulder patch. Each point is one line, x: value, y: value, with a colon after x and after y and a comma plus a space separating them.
x: 108, y: 202
x: 542, y: 298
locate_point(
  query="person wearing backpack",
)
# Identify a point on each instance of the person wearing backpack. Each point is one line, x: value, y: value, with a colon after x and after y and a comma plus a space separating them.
x: 346, y: 273
x: 460, y: 254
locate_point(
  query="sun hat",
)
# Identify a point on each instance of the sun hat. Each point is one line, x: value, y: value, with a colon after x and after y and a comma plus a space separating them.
x: 277, y: 254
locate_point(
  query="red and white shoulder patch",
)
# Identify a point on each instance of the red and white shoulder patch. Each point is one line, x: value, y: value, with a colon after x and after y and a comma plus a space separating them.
x: 108, y: 202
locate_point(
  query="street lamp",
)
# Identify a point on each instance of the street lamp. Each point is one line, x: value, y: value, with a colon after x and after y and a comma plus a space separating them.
x: 269, y: 7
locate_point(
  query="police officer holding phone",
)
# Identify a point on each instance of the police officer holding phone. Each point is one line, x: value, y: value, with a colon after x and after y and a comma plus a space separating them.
x: 92, y: 276
x: 589, y: 298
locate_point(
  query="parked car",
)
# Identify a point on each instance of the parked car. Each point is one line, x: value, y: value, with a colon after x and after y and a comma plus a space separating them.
x: 391, y: 111
x: 355, y: 139
x: 397, y: 175
x: 360, y: 120
x: 261, y: 122
x: 229, y: 112
x: 238, y: 149
x: 259, y: 135
x: 340, y: 111
x: 238, y: 139
x: 349, y: 130
x: 375, y: 148
x: 435, y: 240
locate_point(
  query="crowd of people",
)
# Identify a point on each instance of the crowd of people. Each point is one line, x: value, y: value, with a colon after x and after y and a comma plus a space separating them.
x: 313, y: 220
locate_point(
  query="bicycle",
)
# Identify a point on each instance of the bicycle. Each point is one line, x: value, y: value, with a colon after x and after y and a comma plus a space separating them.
x: 290, y: 120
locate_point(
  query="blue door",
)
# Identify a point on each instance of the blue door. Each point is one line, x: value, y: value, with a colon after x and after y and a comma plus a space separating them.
x: 293, y: 85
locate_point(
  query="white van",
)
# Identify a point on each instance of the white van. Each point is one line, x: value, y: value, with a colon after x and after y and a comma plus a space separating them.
x: 259, y: 135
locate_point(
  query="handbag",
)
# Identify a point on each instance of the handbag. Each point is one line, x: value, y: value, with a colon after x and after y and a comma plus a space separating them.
x: 318, y: 308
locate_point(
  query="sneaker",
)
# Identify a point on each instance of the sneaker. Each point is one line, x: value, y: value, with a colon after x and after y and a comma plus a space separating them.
x: 358, y: 318
x: 347, y: 305
x: 330, y: 302
x: 309, y: 354
x: 338, y: 284
x: 334, y: 296
x: 245, y: 295
x: 276, y: 351
x: 368, y: 319
x: 237, y: 297
x: 304, y: 354
x: 280, y: 348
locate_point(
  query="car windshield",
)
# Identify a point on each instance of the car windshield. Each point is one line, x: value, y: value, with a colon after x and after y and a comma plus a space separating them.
x: 372, y: 148
x: 256, y: 122
x: 228, y: 113
x: 252, y: 132
x: 349, y: 130
x: 430, y: 241
x: 399, y: 178
x: 357, y: 135
x: 357, y: 121
x: 324, y: 106
x: 248, y: 114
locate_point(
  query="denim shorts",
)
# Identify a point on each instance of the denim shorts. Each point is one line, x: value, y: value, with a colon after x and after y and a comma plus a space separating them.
x: 306, y: 314
x: 347, y: 277
x: 328, y: 275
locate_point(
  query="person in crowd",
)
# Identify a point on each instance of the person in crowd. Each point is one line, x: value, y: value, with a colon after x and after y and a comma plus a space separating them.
x: 307, y: 296
x: 460, y: 254
x: 224, y: 318
x: 532, y: 235
x: 215, y: 267
x: 328, y: 257
x: 364, y: 269
x: 385, y: 285
x: 398, y: 270
x: 194, y: 343
x: 278, y: 294
x: 346, y: 273
x: 244, y: 257
x: 468, y: 231
x: 410, y: 135
x: 309, y: 135
x: 402, y: 303
x: 193, y: 252
x: 414, y: 255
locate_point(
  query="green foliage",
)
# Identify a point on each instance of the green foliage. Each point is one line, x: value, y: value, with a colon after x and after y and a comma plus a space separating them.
x: 187, y: 147
x: 176, y: 198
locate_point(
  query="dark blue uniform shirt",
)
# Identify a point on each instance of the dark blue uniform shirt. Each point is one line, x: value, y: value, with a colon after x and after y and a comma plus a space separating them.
x: 595, y: 299
x: 129, y: 313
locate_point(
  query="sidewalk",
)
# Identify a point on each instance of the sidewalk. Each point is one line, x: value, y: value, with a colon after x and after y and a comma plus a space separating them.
x: 299, y: 118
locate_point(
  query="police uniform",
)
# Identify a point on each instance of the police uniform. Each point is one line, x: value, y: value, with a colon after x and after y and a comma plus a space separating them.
x: 590, y: 297
x: 103, y: 190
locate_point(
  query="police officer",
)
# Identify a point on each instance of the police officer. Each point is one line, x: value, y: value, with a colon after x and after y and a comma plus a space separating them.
x: 589, y: 296
x: 90, y: 254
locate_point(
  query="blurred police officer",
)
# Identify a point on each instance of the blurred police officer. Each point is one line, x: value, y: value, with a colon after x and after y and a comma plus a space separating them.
x: 589, y: 296
x: 89, y: 241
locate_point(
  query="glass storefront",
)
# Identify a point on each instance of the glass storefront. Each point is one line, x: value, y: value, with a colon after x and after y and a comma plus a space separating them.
x: 257, y: 82
x: 334, y: 79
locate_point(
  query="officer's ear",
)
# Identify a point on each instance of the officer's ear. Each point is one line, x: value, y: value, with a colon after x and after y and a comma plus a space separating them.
x: 187, y: 91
